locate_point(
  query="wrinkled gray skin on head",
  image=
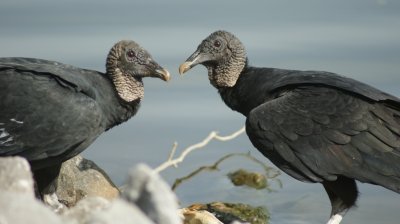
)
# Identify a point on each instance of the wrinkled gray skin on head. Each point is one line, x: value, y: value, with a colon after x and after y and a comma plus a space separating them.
x: 223, y: 55
x: 127, y: 63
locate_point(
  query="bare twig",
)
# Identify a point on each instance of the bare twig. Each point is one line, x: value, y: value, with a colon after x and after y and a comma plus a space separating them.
x: 270, y: 172
x: 172, y: 153
x: 211, y: 136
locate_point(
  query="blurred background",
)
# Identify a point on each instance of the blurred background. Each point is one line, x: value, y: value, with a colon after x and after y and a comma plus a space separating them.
x: 356, y: 38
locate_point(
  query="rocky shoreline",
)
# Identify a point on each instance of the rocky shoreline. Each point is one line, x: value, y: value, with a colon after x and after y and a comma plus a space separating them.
x: 88, y: 196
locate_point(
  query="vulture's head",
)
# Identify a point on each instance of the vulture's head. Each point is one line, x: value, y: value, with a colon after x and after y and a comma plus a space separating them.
x: 127, y: 64
x: 222, y: 54
x: 131, y: 59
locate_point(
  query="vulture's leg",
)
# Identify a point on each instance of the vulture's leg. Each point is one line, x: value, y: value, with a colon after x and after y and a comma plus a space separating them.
x: 343, y: 195
x: 46, y: 186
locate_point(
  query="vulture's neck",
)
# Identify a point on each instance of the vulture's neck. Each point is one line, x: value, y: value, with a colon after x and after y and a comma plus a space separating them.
x: 130, y: 92
x: 127, y: 86
x: 227, y: 72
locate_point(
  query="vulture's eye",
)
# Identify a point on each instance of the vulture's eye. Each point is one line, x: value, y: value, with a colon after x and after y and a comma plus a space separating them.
x: 217, y: 43
x: 131, y: 53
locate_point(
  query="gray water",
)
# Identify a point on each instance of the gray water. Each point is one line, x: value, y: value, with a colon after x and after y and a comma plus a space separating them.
x: 356, y: 38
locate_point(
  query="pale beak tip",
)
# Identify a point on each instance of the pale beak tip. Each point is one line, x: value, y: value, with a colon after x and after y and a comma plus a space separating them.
x: 167, y: 76
x: 184, y: 67
x: 164, y: 74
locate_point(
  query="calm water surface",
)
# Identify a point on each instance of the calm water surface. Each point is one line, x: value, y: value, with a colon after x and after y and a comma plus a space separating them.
x: 357, y: 38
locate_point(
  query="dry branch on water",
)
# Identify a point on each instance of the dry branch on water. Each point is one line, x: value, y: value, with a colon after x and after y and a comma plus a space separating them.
x: 213, y: 135
x: 270, y: 173
x: 171, y: 161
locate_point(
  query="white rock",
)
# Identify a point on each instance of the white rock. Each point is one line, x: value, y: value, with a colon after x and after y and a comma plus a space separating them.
x: 152, y: 195
x: 17, y: 208
x: 119, y: 211
x: 16, y: 176
x: 83, y: 210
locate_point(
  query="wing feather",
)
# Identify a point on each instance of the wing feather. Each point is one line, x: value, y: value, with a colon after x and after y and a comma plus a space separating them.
x: 33, y: 111
x: 353, y: 137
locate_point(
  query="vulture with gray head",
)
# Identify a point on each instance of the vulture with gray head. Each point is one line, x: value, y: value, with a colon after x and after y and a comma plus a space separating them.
x: 316, y: 126
x: 50, y: 112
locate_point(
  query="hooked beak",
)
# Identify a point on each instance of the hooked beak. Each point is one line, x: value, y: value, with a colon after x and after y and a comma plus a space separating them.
x: 184, y: 67
x: 156, y: 71
x: 163, y: 74
x: 196, y: 58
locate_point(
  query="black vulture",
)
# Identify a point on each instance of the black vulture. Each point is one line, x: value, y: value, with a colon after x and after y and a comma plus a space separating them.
x: 50, y: 112
x: 316, y: 126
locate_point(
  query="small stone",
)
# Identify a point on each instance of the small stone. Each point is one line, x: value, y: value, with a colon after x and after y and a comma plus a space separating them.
x: 198, y: 217
x: 80, y: 178
x: 147, y: 190
x: 229, y: 212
